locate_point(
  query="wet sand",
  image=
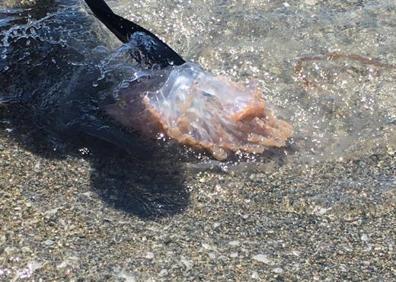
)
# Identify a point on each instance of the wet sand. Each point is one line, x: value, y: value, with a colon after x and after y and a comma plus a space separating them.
x: 104, y: 215
x: 332, y: 220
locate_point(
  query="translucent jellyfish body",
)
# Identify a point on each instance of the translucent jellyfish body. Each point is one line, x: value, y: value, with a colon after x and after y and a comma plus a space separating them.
x: 207, y: 112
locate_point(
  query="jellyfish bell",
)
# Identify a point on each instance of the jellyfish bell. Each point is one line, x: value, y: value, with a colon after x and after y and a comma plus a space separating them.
x: 199, y: 109
x: 185, y: 102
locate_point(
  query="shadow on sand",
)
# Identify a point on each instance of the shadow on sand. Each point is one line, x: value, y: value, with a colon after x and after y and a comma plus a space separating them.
x: 148, y: 187
x: 57, y: 107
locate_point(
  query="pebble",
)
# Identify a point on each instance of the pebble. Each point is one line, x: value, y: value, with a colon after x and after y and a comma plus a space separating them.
x: 187, y: 263
x: 311, y: 2
x: 212, y: 255
x: 127, y: 276
x: 278, y: 270
x: 262, y: 258
x: 234, y: 243
x: 150, y: 255
x: 364, y: 238
x: 207, y: 246
x: 37, y: 167
x: 255, y: 275
x: 49, y: 242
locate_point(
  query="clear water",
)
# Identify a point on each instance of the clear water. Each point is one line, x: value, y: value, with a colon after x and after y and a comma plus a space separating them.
x: 349, y: 106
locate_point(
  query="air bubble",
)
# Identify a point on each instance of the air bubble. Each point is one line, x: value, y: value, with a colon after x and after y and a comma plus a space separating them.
x: 84, y: 151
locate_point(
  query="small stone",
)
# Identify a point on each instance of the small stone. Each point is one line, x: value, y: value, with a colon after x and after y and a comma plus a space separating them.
x: 311, y: 2
x: 49, y: 242
x: 9, y: 250
x: 51, y: 212
x: 234, y: 255
x: 234, y: 243
x: 212, y: 255
x: 364, y: 238
x: 278, y: 270
x: 37, y: 167
x: 28, y: 271
x: 262, y: 258
x: 87, y: 194
x: 149, y: 255
x: 187, y: 263
x: 70, y: 261
x: 207, y: 246
x: 255, y: 275
x: 319, y: 211
x: 126, y: 275
x: 2, y: 239
x: 25, y: 249
x: 296, y: 253
x: 163, y: 273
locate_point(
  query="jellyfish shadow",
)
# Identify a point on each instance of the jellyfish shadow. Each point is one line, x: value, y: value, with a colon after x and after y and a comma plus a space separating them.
x: 149, y: 188
x: 129, y: 173
x: 48, y: 98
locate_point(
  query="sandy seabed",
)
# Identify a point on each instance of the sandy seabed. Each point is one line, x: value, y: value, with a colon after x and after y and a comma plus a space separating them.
x: 69, y: 215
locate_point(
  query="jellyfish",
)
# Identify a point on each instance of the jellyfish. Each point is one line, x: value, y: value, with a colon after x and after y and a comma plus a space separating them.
x: 187, y: 103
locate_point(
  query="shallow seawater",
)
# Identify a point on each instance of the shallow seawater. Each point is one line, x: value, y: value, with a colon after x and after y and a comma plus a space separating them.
x: 350, y: 109
x: 350, y: 106
x: 327, y: 67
